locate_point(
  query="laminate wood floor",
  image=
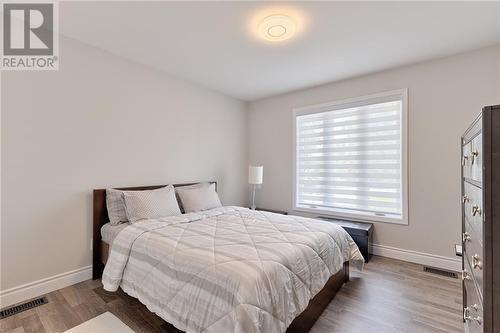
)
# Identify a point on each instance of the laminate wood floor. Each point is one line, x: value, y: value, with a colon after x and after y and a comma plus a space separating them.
x: 387, y: 296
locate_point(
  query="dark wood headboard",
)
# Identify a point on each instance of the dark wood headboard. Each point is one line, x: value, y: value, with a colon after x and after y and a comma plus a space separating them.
x: 101, y: 218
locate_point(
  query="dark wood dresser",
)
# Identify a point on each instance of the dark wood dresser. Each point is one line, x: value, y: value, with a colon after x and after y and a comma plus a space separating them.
x: 481, y: 222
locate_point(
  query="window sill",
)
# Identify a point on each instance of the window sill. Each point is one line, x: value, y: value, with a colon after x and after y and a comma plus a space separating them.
x: 351, y: 216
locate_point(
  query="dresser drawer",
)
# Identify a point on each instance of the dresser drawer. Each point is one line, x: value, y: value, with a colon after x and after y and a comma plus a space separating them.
x: 473, y: 241
x: 472, y: 236
x: 469, y: 274
x: 475, y: 159
x: 466, y: 158
x: 473, y: 309
x: 473, y: 207
x: 474, y: 262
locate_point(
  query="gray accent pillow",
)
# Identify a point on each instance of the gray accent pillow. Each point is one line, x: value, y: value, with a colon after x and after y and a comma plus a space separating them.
x: 152, y: 204
x: 116, y: 206
x: 198, y: 197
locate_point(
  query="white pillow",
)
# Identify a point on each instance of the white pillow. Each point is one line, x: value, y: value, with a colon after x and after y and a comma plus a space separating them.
x: 151, y: 204
x: 116, y: 206
x: 198, y: 197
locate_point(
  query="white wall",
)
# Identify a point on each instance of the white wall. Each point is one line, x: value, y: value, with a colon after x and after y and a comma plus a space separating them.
x: 101, y: 121
x: 444, y: 97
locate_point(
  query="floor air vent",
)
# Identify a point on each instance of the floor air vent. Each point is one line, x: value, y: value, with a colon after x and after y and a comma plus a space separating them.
x: 22, y: 307
x: 442, y: 272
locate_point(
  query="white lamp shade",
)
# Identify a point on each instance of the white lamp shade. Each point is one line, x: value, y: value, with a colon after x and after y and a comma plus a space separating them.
x: 255, y: 174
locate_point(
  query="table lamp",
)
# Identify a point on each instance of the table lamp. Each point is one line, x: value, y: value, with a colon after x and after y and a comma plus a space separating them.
x: 255, y: 176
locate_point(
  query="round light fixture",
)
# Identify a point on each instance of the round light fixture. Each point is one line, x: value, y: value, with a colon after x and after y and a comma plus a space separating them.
x: 276, y: 28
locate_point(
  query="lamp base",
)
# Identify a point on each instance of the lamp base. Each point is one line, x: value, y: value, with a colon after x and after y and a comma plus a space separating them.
x: 252, y: 207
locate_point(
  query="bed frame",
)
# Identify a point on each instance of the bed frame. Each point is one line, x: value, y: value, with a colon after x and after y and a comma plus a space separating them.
x: 301, y: 324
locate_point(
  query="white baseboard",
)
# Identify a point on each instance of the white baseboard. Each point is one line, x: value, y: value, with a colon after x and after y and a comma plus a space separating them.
x: 451, y: 264
x: 44, y: 286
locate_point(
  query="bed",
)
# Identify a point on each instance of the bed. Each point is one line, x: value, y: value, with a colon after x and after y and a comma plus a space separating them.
x: 226, y: 269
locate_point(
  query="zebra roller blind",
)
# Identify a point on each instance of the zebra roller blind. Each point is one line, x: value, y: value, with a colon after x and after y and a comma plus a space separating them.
x: 349, y: 157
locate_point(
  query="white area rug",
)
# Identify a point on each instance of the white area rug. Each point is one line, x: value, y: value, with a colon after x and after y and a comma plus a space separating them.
x: 105, y: 323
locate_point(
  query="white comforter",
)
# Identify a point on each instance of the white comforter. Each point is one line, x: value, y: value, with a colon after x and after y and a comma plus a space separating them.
x: 229, y: 269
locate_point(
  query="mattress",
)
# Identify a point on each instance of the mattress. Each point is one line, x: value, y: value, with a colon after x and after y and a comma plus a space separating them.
x: 228, y: 269
x: 109, y: 232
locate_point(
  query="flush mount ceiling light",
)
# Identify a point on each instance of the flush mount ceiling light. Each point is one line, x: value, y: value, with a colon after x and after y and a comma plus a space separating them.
x: 278, y: 24
x: 277, y: 27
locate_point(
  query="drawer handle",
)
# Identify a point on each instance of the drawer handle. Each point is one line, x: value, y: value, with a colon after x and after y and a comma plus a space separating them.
x: 465, y: 275
x: 464, y: 160
x: 465, y: 198
x: 466, y: 237
x: 474, y: 155
x: 476, y: 262
x: 476, y: 210
x: 468, y: 317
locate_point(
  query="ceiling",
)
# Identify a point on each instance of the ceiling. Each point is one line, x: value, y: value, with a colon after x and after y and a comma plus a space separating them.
x: 210, y: 43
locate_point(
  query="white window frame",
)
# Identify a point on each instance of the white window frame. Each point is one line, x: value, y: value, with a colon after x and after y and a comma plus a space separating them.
x: 348, y: 103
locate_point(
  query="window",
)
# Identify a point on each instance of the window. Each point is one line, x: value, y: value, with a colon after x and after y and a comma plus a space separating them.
x: 350, y: 158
